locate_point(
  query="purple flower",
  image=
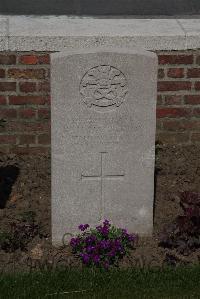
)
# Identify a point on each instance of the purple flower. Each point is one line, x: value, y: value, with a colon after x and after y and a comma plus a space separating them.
x: 90, y: 239
x: 104, y: 244
x: 83, y: 227
x: 106, y: 223
x: 104, y: 230
x: 93, y: 239
x: 117, y: 242
x: 89, y: 249
x: 74, y: 242
x: 124, y: 231
x: 85, y: 258
x: 132, y: 237
x: 112, y: 253
x: 99, y: 228
x: 96, y: 259
x: 121, y: 250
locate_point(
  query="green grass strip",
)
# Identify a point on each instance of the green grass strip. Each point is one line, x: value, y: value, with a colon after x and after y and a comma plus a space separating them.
x: 182, y: 282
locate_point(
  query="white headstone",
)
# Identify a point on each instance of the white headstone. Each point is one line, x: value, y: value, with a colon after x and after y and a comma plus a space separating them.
x: 103, y: 138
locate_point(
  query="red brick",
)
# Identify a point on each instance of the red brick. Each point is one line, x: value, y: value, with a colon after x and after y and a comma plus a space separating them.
x: 23, y: 100
x: 7, y: 59
x: 197, y: 85
x: 27, y: 139
x: 172, y: 125
x: 8, y: 113
x: 193, y: 73
x: 8, y: 139
x: 2, y: 73
x: 2, y: 100
x: 181, y: 125
x: 30, y: 150
x: 175, y: 73
x: 26, y: 127
x: 192, y: 125
x: 27, y: 87
x: 173, y: 112
x: 33, y: 59
x: 44, y: 87
x: 196, y: 112
x: 27, y: 113
x: 26, y: 73
x: 192, y: 99
x: 175, y: 59
x: 7, y: 86
x: 173, y: 100
x: 174, y: 85
x: 44, y: 139
x: 28, y: 59
x: 44, y: 113
x: 161, y: 74
x: 44, y: 59
x: 173, y: 137
x: 165, y: 137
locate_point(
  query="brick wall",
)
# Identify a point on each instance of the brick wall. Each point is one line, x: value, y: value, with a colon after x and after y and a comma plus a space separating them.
x: 178, y: 102
x: 25, y: 100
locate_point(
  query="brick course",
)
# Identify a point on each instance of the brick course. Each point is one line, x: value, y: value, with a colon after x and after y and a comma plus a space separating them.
x: 25, y: 100
x: 178, y: 104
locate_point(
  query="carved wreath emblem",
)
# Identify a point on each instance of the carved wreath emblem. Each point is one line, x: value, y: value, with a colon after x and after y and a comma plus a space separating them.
x: 103, y: 86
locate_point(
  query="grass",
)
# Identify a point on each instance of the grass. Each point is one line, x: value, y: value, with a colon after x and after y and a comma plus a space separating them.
x: 168, y: 283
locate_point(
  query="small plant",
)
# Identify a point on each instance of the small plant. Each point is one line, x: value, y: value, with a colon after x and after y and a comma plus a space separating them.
x: 184, y: 234
x: 103, y: 246
x: 19, y: 235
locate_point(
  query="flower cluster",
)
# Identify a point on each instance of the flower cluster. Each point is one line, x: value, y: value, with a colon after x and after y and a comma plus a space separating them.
x: 103, y: 246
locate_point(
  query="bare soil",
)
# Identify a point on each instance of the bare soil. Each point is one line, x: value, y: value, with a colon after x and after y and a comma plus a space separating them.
x: 25, y: 185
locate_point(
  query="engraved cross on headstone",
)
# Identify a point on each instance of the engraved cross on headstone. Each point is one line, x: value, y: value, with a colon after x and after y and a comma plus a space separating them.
x: 103, y: 178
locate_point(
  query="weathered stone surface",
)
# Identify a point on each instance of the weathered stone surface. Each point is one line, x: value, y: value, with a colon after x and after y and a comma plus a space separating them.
x: 27, y: 33
x: 3, y: 33
x: 103, y: 136
x: 60, y: 33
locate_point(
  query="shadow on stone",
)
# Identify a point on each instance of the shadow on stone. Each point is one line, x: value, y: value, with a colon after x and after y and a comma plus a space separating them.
x: 103, y: 7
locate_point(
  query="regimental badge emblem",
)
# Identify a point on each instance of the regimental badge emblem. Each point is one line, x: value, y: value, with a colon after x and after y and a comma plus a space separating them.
x: 103, y: 86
